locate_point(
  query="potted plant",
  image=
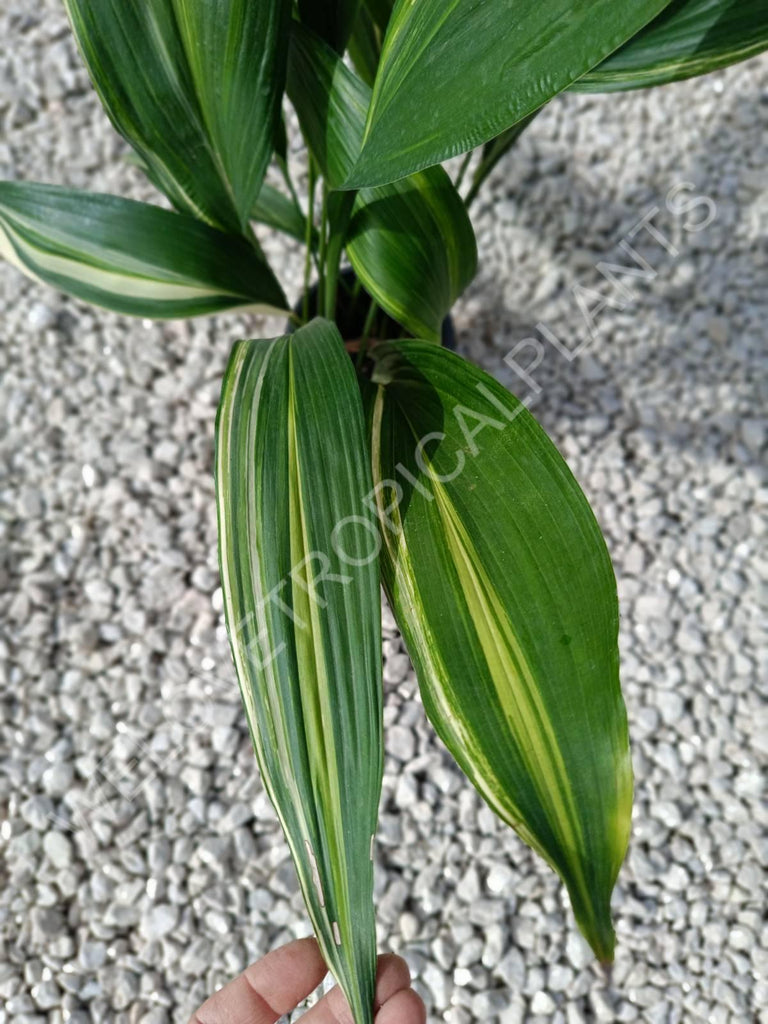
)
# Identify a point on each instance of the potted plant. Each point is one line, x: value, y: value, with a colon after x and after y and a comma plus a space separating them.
x: 370, y: 454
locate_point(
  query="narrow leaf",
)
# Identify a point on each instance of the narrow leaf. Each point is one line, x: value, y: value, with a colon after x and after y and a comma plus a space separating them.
x: 503, y: 588
x: 195, y: 88
x: 411, y: 243
x: 453, y: 75
x: 691, y: 37
x: 130, y: 257
x: 300, y: 582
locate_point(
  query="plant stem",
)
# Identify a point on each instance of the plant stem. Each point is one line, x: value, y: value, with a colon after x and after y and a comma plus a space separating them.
x: 493, y: 151
x: 365, y: 337
x: 463, y: 169
x: 308, y: 237
x: 322, y: 251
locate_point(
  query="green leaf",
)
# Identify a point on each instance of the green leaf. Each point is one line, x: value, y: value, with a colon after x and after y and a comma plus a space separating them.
x: 279, y: 212
x: 412, y: 246
x: 691, y: 37
x: 330, y: 19
x: 455, y: 74
x: 365, y: 46
x: 411, y: 243
x: 130, y: 257
x: 330, y: 102
x: 301, y: 595
x: 195, y: 88
x: 503, y: 589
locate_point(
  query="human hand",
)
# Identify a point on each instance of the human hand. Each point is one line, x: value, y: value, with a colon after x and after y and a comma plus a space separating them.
x: 277, y: 984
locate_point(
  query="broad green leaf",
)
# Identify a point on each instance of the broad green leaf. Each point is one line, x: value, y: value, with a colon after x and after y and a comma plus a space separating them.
x: 411, y: 243
x: 503, y: 589
x: 279, y: 212
x: 130, y: 257
x: 455, y: 74
x: 195, y: 88
x: 691, y: 37
x: 330, y: 19
x: 300, y: 580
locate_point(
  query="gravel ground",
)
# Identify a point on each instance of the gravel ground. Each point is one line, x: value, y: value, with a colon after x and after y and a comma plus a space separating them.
x: 143, y: 865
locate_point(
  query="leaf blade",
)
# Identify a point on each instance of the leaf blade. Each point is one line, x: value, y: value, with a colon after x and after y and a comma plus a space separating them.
x: 502, y: 586
x: 290, y: 432
x: 138, y: 61
x: 413, y: 247
x: 455, y: 75
x: 411, y: 243
x: 130, y: 257
x: 690, y: 37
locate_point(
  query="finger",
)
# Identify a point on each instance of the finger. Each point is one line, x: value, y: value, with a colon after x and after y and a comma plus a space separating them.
x: 392, y: 975
x: 405, y: 1007
x: 267, y: 989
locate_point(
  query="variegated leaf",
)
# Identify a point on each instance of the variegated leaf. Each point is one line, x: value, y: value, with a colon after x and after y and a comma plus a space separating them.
x: 195, y: 88
x: 503, y: 589
x: 131, y: 257
x: 690, y: 37
x: 299, y: 567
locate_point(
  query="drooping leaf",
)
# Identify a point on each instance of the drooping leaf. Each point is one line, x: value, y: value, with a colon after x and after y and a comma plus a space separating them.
x: 330, y: 19
x: 195, y: 88
x: 503, y: 589
x: 411, y: 243
x: 690, y: 37
x: 301, y: 594
x: 130, y: 257
x: 453, y: 75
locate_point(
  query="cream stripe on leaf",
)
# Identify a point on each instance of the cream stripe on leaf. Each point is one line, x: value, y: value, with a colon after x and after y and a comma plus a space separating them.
x: 131, y: 257
x: 300, y: 576
x: 503, y: 588
x: 195, y: 88
x: 690, y: 37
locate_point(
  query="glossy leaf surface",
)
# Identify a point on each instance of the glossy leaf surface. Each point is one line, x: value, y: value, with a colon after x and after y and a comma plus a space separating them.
x: 301, y: 595
x: 411, y: 243
x: 413, y: 247
x: 455, y: 74
x: 691, y: 37
x: 130, y: 257
x: 503, y: 589
x: 195, y: 87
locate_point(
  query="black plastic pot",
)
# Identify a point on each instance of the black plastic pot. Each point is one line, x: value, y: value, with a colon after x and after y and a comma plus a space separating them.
x: 352, y: 309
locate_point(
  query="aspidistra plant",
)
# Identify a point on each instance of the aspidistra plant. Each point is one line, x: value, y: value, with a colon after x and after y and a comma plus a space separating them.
x: 355, y: 449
